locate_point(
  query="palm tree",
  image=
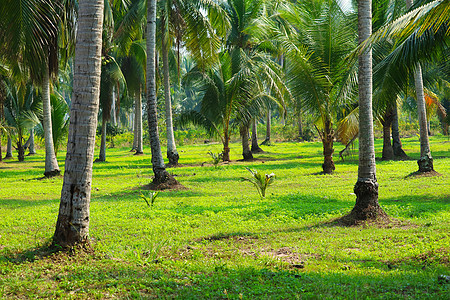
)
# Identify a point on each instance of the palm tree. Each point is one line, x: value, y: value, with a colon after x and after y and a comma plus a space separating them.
x: 321, y: 37
x: 366, y: 187
x: 159, y: 168
x: 72, y: 226
x: 31, y: 37
x: 22, y: 112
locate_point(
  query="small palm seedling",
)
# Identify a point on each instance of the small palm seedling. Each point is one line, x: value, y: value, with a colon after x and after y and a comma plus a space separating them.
x: 150, y: 199
x: 216, y: 158
x: 260, y: 181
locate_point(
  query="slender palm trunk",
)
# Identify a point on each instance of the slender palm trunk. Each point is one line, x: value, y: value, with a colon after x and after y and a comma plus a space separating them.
x: 139, y: 140
x: 268, y: 128
x: 159, y: 168
x: 113, y: 108
x: 102, y: 154
x: 396, y: 142
x: 2, y: 99
x: 172, y: 153
x: 8, y: 148
x: 246, y: 153
x: 135, y: 135
x: 300, y: 127
x: 366, y: 187
x: 388, y: 151
x: 72, y: 226
x: 328, y: 150
x: 20, y: 148
x: 32, y: 151
x: 51, y: 164
x: 226, y: 146
x: 425, y: 161
x: 255, y: 147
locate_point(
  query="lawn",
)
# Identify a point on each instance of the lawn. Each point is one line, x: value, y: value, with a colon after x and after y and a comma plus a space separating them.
x: 218, y: 239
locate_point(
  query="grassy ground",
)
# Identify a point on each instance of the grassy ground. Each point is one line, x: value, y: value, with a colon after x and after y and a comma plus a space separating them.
x: 218, y: 239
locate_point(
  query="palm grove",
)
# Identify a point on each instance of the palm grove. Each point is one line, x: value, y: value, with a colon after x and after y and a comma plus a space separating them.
x: 228, y: 64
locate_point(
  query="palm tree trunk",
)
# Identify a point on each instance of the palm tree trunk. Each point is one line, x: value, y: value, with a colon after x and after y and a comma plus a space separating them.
x: 255, y: 147
x: 396, y: 142
x: 8, y: 148
x: 72, y: 226
x: 300, y: 127
x: 328, y: 150
x: 32, y: 151
x: 113, y: 108
x: 2, y: 99
x: 246, y: 153
x: 20, y: 148
x: 226, y: 146
x: 366, y: 187
x: 268, y: 128
x: 172, y: 153
x: 139, y: 140
x: 133, y: 148
x: 51, y: 164
x: 102, y: 154
x: 388, y: 151
x: 159, y: 168
x: 425, y: 161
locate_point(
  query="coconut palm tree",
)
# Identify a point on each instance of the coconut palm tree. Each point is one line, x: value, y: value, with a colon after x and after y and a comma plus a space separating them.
x: 159, y: 168
x: 72, y: 226
x: 319, y: 36
x: 366, y: 187
x: 22, y: 112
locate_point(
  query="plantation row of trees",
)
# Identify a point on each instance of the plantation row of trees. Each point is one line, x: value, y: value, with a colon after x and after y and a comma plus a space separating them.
x: 233, y: 61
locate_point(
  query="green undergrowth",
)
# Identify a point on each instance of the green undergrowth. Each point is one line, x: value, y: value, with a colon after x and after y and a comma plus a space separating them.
x: 219, y: 239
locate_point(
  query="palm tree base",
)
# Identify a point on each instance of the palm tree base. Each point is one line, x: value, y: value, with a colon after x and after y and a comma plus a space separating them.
x: 425, y: 163
x: 247, y: 155
x: 138, y: 152
x: 173, y: 157
x: 366, y: 207
x: 399, y: 153
x: 256, y: 149
x: 328, y: 167
x: 164, y: 181
x: 53, y: 173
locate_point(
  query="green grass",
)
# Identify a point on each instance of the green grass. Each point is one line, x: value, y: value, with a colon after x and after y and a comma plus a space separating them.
x: 218, y: 239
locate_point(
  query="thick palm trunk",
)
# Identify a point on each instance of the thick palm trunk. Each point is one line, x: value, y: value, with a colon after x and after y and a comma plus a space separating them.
x: 268, y: 128
x: 255, y: 147
x: 8, y: 148
x: 51, y: 164
x: 159, y: 168
x: 139, y: 140
x: 72, y: 226
x: 102, y: 154
x: 246, y: 153
x: 388, y: 151
x: 328, y: 150
x: 172, y: 153
x: 396, y: 142
x: 366, y: 187
x: 425, y: 161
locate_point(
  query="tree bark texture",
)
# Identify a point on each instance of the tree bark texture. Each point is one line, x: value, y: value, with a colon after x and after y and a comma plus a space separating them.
x: 2, y: 100
x: 159, y: 168
x: 366, y: 187
x: 72, y: 226
x: 255, y: 147
x: 30, y: 146
x: 388, y: 151
x: 246, y: 153
x: 172, y: 153
x: 226, y: 147
x: 328, y: 150
x: 51, y: 164
x: 20, y: 148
